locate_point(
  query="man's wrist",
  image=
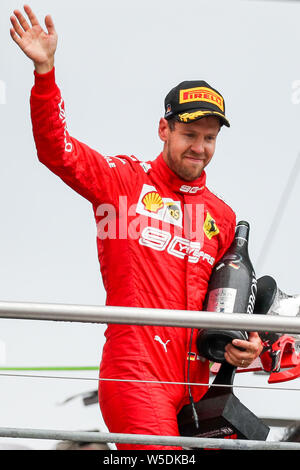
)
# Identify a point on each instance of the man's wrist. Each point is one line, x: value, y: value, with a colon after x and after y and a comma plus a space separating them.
x: 44, y: 83
x: 44, y: 67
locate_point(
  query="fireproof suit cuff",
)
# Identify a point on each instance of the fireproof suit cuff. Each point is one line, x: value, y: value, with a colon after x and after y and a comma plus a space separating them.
x: 44, y: 83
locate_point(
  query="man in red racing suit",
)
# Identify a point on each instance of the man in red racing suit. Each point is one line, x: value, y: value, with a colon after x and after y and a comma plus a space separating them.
x: 155, y: 266
x: 159, y: 233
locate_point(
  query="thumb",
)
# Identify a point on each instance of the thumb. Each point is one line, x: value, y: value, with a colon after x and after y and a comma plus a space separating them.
x: 255, y: 339
x: 253, y: 335
x: 49, y: 24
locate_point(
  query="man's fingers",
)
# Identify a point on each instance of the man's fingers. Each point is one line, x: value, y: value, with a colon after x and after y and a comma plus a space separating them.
x: 14, y: 36
x: 243, y: 345
x: 31, y: 15
x: 238, y: 360
x: 253, y: 345
x: 16, y: 26
x: 22, y: 20
x: 242, y: 353
x: 49, y: 24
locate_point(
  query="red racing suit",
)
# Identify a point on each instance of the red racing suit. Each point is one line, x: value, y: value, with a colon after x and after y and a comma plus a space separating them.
x: 158, y: 238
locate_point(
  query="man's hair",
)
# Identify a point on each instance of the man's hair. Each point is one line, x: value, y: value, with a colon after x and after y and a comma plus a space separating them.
x: 171, y: 123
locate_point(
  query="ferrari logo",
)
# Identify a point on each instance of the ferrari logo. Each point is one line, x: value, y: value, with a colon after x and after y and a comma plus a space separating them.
x: 210, y: 227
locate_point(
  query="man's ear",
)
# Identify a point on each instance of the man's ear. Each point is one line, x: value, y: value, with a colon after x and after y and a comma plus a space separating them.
x: 163, y: 129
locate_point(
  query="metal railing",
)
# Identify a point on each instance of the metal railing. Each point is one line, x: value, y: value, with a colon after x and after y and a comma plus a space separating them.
x: 146, y: 316
x: 186, y: 442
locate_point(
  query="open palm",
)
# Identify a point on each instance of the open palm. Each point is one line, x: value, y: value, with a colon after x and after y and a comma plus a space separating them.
x: 38, y: 45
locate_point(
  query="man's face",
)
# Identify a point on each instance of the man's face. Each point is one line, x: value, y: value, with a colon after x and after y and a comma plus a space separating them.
x: 189, y: 147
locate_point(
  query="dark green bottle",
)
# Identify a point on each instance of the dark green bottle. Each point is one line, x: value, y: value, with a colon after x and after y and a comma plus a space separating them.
x: 232, y: 289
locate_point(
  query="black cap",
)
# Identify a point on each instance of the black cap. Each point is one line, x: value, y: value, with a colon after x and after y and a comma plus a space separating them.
x: 195, y: 99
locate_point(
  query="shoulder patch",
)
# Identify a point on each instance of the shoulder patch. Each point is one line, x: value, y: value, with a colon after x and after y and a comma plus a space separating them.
x: 113, y: 160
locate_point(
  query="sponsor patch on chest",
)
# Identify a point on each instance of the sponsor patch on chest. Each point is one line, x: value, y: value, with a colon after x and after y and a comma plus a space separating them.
x: 152, y: 204
x: 210, y: 227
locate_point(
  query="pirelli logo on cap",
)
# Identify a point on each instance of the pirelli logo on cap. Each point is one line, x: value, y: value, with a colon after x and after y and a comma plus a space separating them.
x: 201, y: 94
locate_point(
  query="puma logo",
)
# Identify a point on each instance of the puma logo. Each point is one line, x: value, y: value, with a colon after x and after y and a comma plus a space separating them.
x: 157, y: 338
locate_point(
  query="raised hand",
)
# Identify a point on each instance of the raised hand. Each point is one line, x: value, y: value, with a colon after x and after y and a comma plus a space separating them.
x: 38, y: 45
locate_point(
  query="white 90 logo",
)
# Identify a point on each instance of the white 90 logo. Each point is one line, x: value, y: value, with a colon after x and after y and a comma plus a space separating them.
x: 160, y: 240
x: 155, y: 238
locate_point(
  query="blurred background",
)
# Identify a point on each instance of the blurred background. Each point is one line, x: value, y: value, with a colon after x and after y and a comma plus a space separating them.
x: 115, y: 63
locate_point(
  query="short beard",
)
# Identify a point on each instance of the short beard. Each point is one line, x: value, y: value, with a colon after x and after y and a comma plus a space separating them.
x: 180, y: 170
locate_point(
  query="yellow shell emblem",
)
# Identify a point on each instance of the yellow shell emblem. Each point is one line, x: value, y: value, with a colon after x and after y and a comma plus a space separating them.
x: 152, y: 202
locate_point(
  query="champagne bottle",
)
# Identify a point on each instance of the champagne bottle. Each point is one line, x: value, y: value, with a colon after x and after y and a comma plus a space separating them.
x: 232, y: 289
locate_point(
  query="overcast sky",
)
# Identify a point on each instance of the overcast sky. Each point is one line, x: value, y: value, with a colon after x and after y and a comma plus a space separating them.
x: 115, y: 63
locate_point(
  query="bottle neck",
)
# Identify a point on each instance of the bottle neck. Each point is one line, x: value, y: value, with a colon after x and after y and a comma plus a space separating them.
x: 241, y: 236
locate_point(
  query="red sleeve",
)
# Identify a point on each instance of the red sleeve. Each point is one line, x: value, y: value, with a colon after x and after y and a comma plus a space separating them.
x: 82, y: 168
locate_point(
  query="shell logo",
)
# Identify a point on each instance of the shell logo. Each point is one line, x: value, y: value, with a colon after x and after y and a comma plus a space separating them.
x: 152, y: 202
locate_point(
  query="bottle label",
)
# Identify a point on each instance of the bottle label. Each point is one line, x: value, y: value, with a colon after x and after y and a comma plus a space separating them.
x: 221, y: 300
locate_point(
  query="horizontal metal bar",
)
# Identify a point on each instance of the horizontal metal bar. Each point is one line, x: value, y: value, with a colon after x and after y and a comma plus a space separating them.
x: 180, y: 441
x: 148, y: 316
x: 280, y: 422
